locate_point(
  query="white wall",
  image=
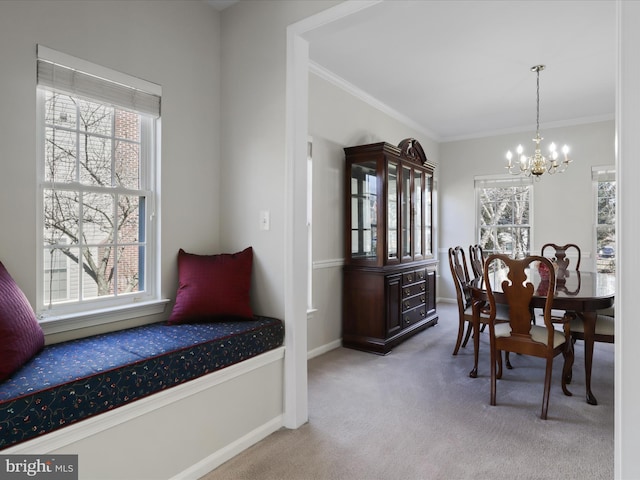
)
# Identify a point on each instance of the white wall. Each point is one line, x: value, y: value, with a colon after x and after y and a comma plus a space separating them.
x: 174, y: 44
x: 253, y: 133
x: 563, y: 207
x: 337, y: 120
x: 627, y: 413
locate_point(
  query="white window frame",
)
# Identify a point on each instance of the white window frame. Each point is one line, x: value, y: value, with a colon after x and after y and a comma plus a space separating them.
x: 67, y: 316
x: 605, y: 173
x: 503, y: 181
x: 309, y: 224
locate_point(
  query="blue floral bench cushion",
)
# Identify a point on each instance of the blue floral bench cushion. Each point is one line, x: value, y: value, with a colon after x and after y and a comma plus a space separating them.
x: 70, y: 381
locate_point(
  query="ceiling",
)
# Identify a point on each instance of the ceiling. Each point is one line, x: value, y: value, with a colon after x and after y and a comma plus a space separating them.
x: 461, y: 69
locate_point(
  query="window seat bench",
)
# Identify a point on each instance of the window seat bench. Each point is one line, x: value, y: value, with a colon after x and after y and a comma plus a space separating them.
x: 71, y: 381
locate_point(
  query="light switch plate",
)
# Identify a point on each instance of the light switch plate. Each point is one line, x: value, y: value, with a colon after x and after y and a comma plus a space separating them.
x: 265, y: 222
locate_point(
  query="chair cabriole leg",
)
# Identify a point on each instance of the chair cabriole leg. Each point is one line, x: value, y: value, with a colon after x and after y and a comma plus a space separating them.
x: 547, y: 388
x: 459, y: 339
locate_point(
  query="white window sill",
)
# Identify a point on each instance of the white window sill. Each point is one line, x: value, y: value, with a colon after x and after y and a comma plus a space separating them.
x: 64, y: 323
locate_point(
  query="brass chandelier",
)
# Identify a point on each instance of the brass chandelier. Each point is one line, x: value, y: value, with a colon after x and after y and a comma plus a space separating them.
x: 537, y: 164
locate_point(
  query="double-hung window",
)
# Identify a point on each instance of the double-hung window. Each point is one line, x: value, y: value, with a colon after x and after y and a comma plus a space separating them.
x: 97, y: 157
x: 604, y: 182
x: 504, y: 219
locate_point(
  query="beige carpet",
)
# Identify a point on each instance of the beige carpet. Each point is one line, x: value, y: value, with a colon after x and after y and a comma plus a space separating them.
x: 416, y: 414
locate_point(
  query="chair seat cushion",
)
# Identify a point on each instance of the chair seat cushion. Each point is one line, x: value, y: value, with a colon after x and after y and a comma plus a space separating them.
x: 502, y: 313
x: 610, y: 311
x: 538, y: 334
x: 605, y: 325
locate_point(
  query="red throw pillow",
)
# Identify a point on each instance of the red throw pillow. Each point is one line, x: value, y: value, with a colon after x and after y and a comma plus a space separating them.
x: 213, y: 286
x: 21, y: 336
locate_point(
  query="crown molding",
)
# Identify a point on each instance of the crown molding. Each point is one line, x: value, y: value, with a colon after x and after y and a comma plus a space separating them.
x: 343, y: 84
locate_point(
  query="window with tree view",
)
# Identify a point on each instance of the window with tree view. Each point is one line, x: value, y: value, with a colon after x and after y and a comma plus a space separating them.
x: 504, y: 215
x: 97, y: 193
x: 605, y: 187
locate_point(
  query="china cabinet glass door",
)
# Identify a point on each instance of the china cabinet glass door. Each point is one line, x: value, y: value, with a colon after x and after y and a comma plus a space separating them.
x: 428, y: 214
x: 418, y: 213
x: 364, y: 208
x: 392, y: 211
x: 406, y: 212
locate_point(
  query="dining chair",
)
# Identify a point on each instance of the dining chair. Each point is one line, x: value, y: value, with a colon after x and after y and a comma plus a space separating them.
x: 460, y: 274
x: 561, y: 260
x: 605, y: 331
x: 609, y: 312
x: 519, y: 335
x: 560, y: 254
x: 476, y: 258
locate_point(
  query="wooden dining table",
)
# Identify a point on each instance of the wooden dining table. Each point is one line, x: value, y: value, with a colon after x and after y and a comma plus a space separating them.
x: 584, y: 292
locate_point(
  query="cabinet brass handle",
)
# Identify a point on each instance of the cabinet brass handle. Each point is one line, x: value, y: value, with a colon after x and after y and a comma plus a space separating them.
x: 406, y: 304
x: 406, y: 320
x: 422, y: 298
x: 423, y: 287
x: 410, y: 278
x: 407, y: 292
x: 422, y: 313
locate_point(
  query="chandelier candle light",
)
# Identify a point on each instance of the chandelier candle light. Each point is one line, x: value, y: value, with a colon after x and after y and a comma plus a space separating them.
x: 537, y: 164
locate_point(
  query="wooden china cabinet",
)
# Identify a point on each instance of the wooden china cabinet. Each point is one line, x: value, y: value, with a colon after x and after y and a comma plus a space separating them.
x: 390, y: 272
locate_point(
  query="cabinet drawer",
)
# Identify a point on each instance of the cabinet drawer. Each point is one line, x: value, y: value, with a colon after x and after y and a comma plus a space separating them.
x: 413, y: 276
x: 415, y: 289
x: 414, y: 315
x: 411, y: 302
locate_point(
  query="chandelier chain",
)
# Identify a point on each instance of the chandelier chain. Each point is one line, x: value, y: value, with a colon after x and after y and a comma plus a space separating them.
x: 537, y: 100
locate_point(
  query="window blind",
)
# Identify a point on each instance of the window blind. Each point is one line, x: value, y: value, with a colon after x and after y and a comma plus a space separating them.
x: 501, y: 182
x: 603, y: 174
x: 77, y: 82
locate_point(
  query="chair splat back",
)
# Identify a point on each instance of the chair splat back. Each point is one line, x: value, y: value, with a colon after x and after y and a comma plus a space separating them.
x: 476, y: 258
x: 518, y: 291
x: 561, y: 254
x: 460, y: 273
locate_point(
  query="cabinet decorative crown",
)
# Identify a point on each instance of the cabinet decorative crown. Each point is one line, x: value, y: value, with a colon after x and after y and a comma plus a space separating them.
x: 411, y: 149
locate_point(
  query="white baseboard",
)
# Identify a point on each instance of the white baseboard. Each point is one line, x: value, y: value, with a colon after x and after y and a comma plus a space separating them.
x: 323, y: 349
x: 226, y: 453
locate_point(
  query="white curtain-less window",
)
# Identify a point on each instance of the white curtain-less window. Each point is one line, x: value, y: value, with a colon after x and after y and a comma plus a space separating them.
x: 604, y: 182
x: 97, y: 174
x: 504, y: 219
